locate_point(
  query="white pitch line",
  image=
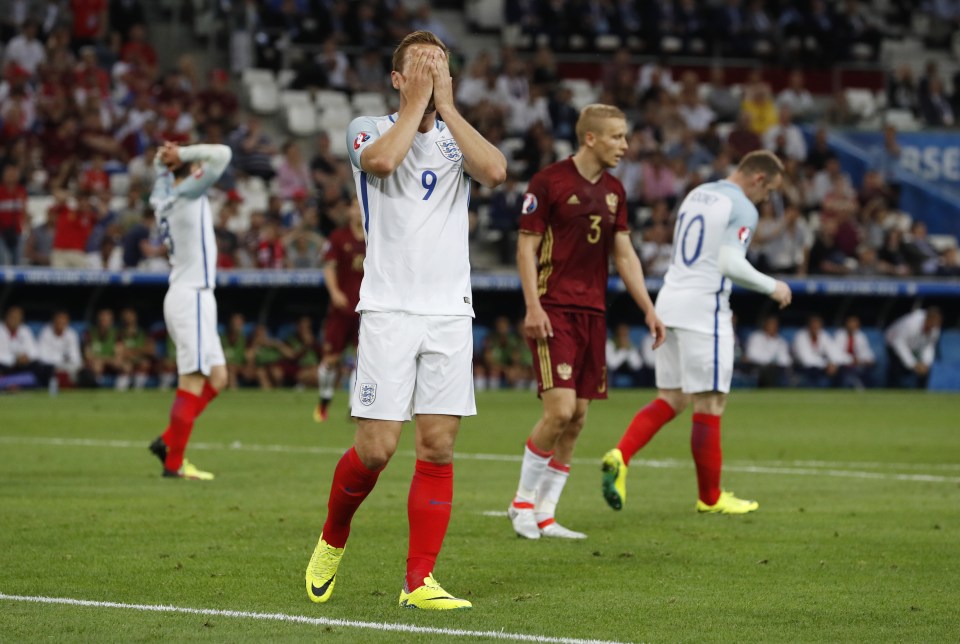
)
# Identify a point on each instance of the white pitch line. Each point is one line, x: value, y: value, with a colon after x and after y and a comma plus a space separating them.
x: 303, y: 619
x: 795, y: 468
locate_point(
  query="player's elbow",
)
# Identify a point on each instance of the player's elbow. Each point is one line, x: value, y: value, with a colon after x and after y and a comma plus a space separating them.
x: 380, y: 166
x: 492, y: 174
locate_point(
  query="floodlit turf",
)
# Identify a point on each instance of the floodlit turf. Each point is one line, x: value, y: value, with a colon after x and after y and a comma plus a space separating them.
x: 855, y: 540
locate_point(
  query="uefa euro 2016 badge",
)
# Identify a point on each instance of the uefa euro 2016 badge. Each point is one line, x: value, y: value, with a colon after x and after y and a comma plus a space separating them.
x: 368, y: 393
x: 564, y: 370
x: 450, y: 149
x: 743, y: 235
x: 612, y: 201
x: 362, y: 138
x: 529, y: 203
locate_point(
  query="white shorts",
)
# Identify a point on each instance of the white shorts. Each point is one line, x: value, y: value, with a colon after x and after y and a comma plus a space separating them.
x: 695, y: 362
x: 191, y: 318
x: 413, y: 364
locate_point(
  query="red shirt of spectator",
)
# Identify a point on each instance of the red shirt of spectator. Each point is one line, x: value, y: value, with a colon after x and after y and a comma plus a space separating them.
x: 270, y: 251
x: 73, y: 228
x: 13, y: 201
x: 137, y: 51
x: 88, y: 18
x: 95, y: 178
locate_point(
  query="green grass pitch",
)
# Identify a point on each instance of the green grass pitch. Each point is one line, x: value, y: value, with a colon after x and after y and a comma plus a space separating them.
x: 856, y: 538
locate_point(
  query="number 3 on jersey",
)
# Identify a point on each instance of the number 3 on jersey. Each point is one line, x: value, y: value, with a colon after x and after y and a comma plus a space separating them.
x: 593, y: 236
x: 686, y: 247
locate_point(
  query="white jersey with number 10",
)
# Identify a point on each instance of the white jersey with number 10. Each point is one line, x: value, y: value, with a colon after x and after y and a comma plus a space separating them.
x: 695, y: 295
x: 416, y: 224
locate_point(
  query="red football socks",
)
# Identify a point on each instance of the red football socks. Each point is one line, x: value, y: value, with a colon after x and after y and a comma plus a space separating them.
x: 705, y: 445
x: 352, y: 482
x: 186, y: 407
x: 644, y: 426
x: 207, y: 395
x: 428, y: 509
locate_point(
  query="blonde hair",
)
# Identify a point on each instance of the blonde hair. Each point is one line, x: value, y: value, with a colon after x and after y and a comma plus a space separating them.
x: 416, y: 38
x: 591, y: 117
x: 761, y: 161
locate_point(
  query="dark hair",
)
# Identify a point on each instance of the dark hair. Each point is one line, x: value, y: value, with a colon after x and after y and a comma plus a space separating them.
x: 182, y: 171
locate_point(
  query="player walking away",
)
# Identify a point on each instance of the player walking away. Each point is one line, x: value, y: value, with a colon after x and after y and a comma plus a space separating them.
x: 189, y: 308
x: 342, y: 273
x: 573, y: 217
x: 416, y: 342
x: 714, y: 226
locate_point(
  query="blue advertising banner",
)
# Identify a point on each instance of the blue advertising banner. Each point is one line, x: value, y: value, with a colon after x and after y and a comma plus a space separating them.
x: 931, y: 156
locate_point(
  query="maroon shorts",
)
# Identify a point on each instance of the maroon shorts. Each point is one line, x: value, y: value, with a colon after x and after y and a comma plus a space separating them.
x: 575, y: 357
x: 340, y: 330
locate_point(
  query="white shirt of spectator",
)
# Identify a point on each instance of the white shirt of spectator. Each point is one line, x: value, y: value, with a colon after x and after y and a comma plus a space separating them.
x: 909, y: 342
x: 800, y: 103
x: 817, y: 354
x: 29, y: 54
x: 764, y: 350
x: 823, y: 185
x: 861, y: 348
x: 620, y: 356
x: 787, y: 249
x: 62, y: 351
x: 794, y: 145
x: 698, y: 118
x: 18, y: 344
x: 415, y: 222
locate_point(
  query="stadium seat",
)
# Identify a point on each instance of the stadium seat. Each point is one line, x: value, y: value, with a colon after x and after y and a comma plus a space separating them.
x: 301, y: 119
x: 290, y: 97
x: 328, y: 98
x: 285, y: 77
x: 861, y: 102
x: 902, y: 120
x: 337, y: 145
x: 372, y: 103
x: 264, y: 98
x: 254, y: 76
x: 335, y: 119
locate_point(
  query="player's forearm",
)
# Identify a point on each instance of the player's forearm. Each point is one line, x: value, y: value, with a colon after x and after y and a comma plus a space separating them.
x: 527, y: 268
x: 734, y: 265
x: 903, y: 352
x: 385, y: 155
x: 214, y: 156
x: 481, y: 159
x: 330, y: 279
x: 631, y: 272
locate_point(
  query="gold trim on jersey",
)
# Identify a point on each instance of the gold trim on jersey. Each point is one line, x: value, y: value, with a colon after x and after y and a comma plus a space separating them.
x: 546, y: 261
x: 546, y: 369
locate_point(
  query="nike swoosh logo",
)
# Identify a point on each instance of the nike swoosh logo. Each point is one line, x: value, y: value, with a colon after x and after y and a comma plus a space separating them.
x: 322, y: 589
x: 435, y: 502
x: 433, y: 599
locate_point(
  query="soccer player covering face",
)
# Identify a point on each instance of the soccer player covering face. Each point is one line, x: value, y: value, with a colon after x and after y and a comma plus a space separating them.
x: 573, y: 217
x: 179, y: 199
x: 342, y: 273
x: 714, y: 226
x: 415, y: 352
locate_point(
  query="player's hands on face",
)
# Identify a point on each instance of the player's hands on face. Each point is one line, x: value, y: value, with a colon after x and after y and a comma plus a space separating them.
x: 416, y: 83
x: 442, y: 83
x: 782, y: 294
x: 339, y: 300
x: 657, y: 328
x: 537, y: 325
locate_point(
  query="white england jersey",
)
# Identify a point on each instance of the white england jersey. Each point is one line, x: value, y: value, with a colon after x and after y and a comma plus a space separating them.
x: 184, y: 216
x: 416, y: 224
x: 695, y: 295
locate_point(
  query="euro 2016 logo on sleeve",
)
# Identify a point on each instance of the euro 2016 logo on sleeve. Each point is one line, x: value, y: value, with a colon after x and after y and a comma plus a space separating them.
x: 529, y: 204
x: 368, y: 393
x: 362, y: 138
x: 450, y: 150
x: 744, y: 235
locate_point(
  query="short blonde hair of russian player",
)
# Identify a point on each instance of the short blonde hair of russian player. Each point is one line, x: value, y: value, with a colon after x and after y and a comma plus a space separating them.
x: 416, y: 38
x: 761, y: 162
x: 592, y: 117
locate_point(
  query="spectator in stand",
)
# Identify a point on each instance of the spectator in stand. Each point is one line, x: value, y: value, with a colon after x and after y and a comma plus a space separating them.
x: 840, y: 205
x: 815, y: 355
x: 369, y: 71
x: 217, y: 103
x: 104, y: 220
x: 789, y: 242
x: 90, y: 22
x: 94, y: 178
x: 293, y: 175
x: 141, y: 245
x: 819, y: 153
x: 538, y: 150
x: 234, y: 341
x: 935, y: 106
x: 102, y: 350
x: 759, y: 107
x: 658, y: 180
x: 138, y: 351
x: 785, y: 139
x: 912, y: 346
x: 797, y: 98
x: 693, y: 155
x: 138, y: 52
x: 630, y: 172
x: 18, y: 349
x: 70, y: 237
x: 252, y: 149
x: 831, y: 179
x: 13, y: 215
x: 337, y: 66
x: 623, y: 357
x: 478, y: 83
x: 563, y: 115
x: 301, y: 354
x: 892, y: 254
x: 39, y: 244
x: 768, y: 355
x: 505, y: 206
x: 742, y: 140
x: 270, y: 250
x: 825, y: 257
x: 59, y: 347
x: 720, y: 97
x: 25, y: 49
x: 902, y: 91
x: 695, y: 113
x: 855, y: 354
x: 921, y: 254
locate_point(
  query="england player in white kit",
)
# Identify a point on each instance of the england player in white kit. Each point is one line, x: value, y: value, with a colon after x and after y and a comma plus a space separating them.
x: 189, y: 309
x: 415, y: 352
x: 715, y: 223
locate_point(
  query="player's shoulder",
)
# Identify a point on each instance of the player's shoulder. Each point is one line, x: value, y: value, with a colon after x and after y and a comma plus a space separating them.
x: 557, y: 174
x: 612, y: 183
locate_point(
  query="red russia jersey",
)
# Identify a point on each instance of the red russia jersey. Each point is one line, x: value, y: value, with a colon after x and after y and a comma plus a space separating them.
x: 348, y: 252
x: 578, y: 221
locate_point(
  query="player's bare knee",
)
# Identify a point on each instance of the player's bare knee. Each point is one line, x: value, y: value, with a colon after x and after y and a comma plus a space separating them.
x: 677, y: 400
x: 218, y: 378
